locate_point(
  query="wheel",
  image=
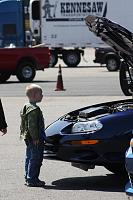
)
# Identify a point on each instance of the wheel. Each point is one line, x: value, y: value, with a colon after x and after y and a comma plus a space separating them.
x: 71, y: 58
x: 26, y: 72
x: 112, y: 64
x: 124, y: 78
x: 4, y: 77
x: 116, y: 168
x: 53, y: 59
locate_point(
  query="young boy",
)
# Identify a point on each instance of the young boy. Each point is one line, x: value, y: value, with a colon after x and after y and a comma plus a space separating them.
x: 32, y: 131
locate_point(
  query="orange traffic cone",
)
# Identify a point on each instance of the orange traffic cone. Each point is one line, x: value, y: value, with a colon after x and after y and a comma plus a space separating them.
x: 59, y: 85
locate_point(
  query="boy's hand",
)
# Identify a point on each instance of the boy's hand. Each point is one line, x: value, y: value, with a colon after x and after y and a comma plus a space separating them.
x: 4, y: 131
x: 35, y: 142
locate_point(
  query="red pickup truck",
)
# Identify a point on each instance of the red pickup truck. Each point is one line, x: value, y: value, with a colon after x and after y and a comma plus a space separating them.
x: 23, y: 62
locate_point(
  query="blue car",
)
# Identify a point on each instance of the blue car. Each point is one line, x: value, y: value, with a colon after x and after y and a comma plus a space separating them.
x: 96, y: 135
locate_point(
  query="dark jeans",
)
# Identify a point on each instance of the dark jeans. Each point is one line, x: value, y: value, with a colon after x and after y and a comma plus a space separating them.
x: 33, y: 161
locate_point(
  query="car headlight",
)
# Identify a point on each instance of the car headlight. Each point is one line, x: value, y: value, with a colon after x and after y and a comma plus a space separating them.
x: 89, y: 126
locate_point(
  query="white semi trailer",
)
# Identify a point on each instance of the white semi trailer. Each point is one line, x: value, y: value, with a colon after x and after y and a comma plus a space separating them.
x: 60, y: 24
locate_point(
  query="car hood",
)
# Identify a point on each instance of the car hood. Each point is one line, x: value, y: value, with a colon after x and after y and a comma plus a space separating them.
x: 115, y: 117
x: 116, y: 36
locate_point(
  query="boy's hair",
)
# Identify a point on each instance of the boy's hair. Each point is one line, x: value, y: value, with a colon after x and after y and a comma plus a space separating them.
x: 32, y: 88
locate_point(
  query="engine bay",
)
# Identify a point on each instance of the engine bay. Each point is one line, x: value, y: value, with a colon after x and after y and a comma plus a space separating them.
x: 95, y: 112
x: 105, y: 110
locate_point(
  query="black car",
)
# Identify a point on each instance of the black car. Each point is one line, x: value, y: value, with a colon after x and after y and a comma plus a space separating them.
x: 94, y: 135
x: 107, y: 56
x: 121, y: 40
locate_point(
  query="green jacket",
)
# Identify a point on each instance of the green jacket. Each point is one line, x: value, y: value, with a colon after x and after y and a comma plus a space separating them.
x: 32, y: 122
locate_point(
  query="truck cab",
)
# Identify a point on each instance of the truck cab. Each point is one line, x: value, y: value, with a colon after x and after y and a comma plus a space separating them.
x: 34, y: 10
x: 11, y: 26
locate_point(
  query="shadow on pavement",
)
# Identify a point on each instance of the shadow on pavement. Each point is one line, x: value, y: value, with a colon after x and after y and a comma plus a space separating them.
x: 36, y: 81
x: 109, y: 183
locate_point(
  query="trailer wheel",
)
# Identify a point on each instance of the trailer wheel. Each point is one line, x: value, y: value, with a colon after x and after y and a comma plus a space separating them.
x: 4, y: 77
x: 53, y: 59
x: 26, y: 72
x: 71, y: 58
x: 125, y: 81
x: 112, y: 64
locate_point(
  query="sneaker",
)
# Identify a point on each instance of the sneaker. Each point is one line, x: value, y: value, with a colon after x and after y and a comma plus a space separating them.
x: 37, y: 184
x: 41, y: 182
x: 30, y: 184
x: 25, y: 180
x: 25, y: 183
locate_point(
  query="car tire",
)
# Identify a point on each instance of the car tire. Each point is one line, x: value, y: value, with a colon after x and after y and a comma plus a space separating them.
x: 112, y: 64
x: 124, y: 78
x: 71, y: 58
x: 4, y: 77
x: 116, y: 168
x: 26, y: 72
x: 53, y: 59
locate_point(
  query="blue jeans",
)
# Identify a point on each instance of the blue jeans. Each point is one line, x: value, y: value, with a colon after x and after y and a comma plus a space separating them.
x: 33, y: 161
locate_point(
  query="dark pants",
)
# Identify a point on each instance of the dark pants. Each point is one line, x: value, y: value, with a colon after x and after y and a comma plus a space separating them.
x: 33, y: 161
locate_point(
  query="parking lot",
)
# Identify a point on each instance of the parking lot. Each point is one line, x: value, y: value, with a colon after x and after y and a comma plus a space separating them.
x: 85, y: 85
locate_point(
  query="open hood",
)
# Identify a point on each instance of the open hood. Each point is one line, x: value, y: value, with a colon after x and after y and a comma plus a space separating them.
x: 116, y: 36
x: 121, y: 40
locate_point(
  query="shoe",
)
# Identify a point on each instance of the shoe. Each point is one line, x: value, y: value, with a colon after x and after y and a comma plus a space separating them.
x: 41, y: 182
x: 25, y: 180
x: 37, y: 184
x: 30, y: 184
x: 25, y: 183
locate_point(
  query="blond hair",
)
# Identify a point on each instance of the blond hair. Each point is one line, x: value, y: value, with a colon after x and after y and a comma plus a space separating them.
x: 32, y: 89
